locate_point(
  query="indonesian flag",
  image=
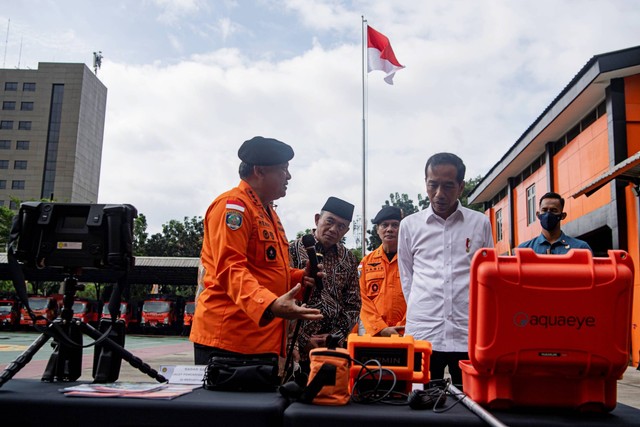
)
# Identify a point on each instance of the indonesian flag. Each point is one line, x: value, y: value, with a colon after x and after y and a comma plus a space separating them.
x: 380, y: 55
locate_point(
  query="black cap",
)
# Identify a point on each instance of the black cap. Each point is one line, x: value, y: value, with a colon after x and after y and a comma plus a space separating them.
x: 261, y: 151
x: 339, y: 207
x: 388, y: 212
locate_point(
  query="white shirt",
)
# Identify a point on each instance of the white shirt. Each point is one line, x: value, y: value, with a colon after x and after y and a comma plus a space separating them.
x: 434, y: 257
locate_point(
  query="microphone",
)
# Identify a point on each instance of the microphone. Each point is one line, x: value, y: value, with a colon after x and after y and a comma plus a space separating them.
x: 309, y: 243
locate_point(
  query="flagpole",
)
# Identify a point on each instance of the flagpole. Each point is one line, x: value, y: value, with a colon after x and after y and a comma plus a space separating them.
x: 364, y: 140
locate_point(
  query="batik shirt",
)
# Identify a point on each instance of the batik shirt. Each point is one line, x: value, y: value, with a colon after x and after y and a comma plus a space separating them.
x: 339, y: 300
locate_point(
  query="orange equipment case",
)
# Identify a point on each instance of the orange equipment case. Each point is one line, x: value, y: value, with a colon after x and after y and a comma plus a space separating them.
x: 548, y: 330
x: 406, y: 357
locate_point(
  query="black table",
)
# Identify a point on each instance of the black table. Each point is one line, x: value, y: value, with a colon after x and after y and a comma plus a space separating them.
x: 28, y: 403
x: 384, y: 415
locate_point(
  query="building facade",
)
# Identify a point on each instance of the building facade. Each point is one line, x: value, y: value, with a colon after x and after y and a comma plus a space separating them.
x: 585, y: 146
x: 51, y: 131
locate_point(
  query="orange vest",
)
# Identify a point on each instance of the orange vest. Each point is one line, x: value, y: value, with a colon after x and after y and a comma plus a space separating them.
x: 383, y: 302
x: 245, y: 255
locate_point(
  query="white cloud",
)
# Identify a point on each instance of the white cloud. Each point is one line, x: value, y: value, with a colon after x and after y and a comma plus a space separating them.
x: 477, y: 75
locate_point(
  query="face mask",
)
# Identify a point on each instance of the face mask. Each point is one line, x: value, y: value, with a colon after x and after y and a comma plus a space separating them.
x: 548, y: 220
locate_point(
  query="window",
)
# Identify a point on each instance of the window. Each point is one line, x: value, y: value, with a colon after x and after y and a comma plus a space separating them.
x: 17, y: 184
x: 3, y: 184
x: 26, y: 106
x: 6, y: 124
x: 5, y: 144
x: 531, y: 204
x: 4, y: 164
x: 8, y: 105
x: 11, y: 86
x: 20, y: 164
x: 22, y: 145
x: 28, y: 87
x: 13, y: 205
x: 24, y: 125
x: 499, y: 225
x: 1, y: 202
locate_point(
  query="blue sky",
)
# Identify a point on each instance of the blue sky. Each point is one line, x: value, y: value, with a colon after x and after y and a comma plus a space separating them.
x: 189, y: 80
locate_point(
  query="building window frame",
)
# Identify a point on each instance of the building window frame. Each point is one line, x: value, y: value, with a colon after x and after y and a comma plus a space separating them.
x: 499, y: 235
x: 26, y: 106
x: 18, y: 184
x: 20, y: 164
x: 531, y: 204
x: 5, y: 144
x: 22, y: 145
x: 11, y: 86
x: 4, y: 164
x: 24, y: 125
x: 6, y: 124
x: 8, y: 105
x: 28, y: 87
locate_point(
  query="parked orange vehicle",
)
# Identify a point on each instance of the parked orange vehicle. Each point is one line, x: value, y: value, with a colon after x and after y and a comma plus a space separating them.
x: 130, y: 312
x: 9, y: 313
x: 87, y: 310
x: 161, y: 311
x: 46, y: 306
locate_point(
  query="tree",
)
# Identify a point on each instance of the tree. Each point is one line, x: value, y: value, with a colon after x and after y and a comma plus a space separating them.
x: 178, y: 239
x: 140, y: 235
x: 6, y: 219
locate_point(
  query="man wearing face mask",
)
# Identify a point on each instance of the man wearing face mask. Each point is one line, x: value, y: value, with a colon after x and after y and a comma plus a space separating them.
x: 552, y: 240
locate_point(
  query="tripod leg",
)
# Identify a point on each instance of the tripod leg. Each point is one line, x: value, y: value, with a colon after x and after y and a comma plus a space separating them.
x: 134, y: 361
x: 21, y: 361
x: 65, y: 363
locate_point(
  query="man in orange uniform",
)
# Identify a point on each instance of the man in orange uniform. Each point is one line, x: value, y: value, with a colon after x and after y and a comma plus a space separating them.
x: 384, y: 310
x: 248, y: 287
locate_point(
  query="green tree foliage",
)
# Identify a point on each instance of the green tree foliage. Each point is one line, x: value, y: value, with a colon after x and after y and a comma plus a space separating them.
x: 6, y: 219
x: 140, y: 235
x: 178, y: 239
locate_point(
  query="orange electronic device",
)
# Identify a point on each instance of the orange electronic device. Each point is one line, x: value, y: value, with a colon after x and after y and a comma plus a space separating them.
x: 548, y: 330
x: 407, y: 358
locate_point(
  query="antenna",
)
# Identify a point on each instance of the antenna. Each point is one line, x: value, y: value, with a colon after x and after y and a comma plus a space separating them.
x: 6, y: 42
x: 20, y: 54
x: 97, y: 61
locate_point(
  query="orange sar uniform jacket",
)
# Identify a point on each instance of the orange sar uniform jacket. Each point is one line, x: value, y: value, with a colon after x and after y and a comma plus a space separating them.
x: 383, y: 302
x: 245, y: 256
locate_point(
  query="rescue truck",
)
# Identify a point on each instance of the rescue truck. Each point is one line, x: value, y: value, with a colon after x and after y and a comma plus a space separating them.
x: 87, y: 310
x: 46, y: 306
x: 9, y: 313
x: 162, y: 312
x: 130, y: 312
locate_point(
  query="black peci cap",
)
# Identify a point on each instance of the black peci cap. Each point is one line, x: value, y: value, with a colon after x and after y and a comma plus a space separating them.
x: 339, y: 207
x: 261, y: 151
x: 388, y: 212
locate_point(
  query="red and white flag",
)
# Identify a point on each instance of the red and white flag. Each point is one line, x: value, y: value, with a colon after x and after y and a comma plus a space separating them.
x: 380, y: 55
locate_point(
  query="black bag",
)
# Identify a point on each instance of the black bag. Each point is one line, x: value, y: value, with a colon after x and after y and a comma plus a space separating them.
x: 242, y: 372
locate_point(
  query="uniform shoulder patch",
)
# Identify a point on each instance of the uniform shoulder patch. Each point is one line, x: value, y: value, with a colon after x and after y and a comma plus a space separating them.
x: 233, y: 220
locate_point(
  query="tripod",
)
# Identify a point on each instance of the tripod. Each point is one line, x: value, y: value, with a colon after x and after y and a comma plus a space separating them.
x: 65, y: 363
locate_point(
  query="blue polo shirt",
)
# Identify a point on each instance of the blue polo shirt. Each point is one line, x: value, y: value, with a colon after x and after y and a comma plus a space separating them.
x: 561, y: 246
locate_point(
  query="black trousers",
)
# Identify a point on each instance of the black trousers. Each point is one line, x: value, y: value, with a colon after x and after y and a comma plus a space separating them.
x: 441, y: 359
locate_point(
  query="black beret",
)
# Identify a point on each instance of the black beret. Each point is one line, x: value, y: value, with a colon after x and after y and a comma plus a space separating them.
x: 388, y: 212
x: 339, y: 207
x: 261, y: 151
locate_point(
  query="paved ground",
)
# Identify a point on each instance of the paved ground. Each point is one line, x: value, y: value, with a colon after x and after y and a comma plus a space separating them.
x: 164, y: 350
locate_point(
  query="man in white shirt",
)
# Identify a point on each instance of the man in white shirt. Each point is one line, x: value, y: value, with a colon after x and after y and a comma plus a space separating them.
x: 435, y: 248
